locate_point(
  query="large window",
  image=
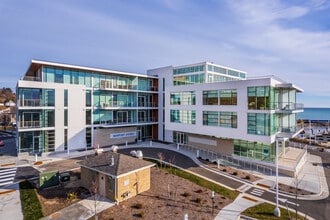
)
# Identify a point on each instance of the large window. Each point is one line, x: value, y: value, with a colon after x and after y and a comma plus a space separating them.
x: 263, y: 124
x: 211, y: 97
x: 228, y: 97
x: 222, y: 97
x: 211, y: 118
x: 255, y: 150
x: 259, y: 97
x: 183, y: 116
x: 183, y: 98
x: 189, y: 79
x: 222, y: 119
x: 228, y: 119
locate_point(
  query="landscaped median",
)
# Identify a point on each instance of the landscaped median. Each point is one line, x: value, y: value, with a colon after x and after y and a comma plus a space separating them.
x: 30, y: 203
x: 266, y: 211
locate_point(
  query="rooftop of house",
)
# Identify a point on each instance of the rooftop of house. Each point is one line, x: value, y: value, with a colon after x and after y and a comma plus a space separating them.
x: 119, y: 165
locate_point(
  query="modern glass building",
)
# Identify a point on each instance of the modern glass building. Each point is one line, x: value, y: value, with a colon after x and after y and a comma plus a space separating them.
x: 66, y: 107
x: 219, y: 109
x: 204, y: 105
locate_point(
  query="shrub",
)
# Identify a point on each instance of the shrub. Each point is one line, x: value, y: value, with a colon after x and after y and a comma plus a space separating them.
x: 199, y: 191
x: 138, y: 206
x: 235, y: 173
x: 72, y: 196
x: 224, y: 170
x: 247, y: 177
x: 186, y: 194
x: 198, y: 200
x: 141, y: 214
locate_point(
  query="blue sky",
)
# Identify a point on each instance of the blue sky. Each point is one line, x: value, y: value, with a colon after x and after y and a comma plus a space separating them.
x: 289, y: 39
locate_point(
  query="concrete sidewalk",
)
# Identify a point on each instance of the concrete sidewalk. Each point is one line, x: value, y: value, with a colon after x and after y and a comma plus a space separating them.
x: 83, y: 209
x: 233, y: 210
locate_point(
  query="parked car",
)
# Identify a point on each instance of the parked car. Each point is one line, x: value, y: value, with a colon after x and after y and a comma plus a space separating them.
x: 1, y: 143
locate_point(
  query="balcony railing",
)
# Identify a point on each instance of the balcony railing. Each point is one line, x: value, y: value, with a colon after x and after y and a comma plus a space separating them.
x: 147, y: 119
x: 292, y: 129
x: 31, y: 78
x: 148, y: 104
x: 30, y: 124
x: 30, y: 102
x: 128, y: 104
x: 289, y: 106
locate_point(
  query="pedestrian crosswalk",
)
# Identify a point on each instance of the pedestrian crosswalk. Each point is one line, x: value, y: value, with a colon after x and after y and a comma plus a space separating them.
x: 257, y: 192
x: 7, y: 176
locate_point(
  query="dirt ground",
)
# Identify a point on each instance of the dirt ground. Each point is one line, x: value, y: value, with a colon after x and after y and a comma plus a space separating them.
x: 170, y: 197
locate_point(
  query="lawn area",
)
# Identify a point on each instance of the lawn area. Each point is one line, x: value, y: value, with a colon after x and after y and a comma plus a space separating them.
x: 266, y: 211
x: 30, y: 203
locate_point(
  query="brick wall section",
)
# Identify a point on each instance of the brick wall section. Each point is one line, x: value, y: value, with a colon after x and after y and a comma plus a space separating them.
x: 138, y: 182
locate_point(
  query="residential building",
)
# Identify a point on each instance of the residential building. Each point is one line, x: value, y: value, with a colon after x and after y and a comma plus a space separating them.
x: 219, y: 110
x: 64, y: 107
x: 210, y: 107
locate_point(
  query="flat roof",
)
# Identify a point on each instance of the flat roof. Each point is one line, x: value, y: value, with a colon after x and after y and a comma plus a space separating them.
x: 36, y: 64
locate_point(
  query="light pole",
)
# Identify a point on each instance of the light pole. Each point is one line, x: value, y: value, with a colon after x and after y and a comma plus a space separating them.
x: 212, y: 196
x: 277, y: 211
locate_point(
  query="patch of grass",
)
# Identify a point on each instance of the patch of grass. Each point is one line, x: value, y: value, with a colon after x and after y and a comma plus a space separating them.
x: 30, y: 203
x: 266, y: 211
x: 230, y: 194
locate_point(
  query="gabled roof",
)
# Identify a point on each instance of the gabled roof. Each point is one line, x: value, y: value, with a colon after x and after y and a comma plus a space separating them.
x: 123, y: 164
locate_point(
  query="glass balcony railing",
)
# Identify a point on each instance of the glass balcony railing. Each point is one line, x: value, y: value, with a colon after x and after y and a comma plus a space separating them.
x: 30, y: 102
x: 147, y: 119
x: 291, y: 129
x: 31, y: 78
x: 148, y: 104
x: 288, y: 106
x: 30, y: 124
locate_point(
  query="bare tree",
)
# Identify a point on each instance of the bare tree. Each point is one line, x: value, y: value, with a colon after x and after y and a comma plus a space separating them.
x: 161, y: 158
x: 94, y: 189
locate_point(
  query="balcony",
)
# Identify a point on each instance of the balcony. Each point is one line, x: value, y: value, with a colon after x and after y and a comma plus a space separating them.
x: 148, y: 104
x: 290, y: 131
x: 117, y: 104
x: 30, y: 124
x: 30, y: 102
x: 288, y: 106
x: 147, y: 119
x: 31, y: 78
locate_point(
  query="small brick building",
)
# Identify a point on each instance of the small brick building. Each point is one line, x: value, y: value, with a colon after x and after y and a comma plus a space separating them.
x: 117, y: 176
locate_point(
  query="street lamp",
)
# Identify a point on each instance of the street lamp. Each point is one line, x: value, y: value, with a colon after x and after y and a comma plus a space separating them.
x: 277, y: 211
x: 212, y: 197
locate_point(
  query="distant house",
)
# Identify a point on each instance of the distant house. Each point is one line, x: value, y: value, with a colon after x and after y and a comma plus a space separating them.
x: 117, y: 176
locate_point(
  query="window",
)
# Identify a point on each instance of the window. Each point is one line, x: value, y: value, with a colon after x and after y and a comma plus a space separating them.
x: 259, y: 124
x: 183, y: 98
x: 65, y: 98
x: 65, y: 117
x: 88, y: 98
x: 210, y: 97
x: 211, y: 118
x: 259, y: 98
x: 228, y: 97
x: 228, y: 119
x: 65, y: 139
x: 183, y: 116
